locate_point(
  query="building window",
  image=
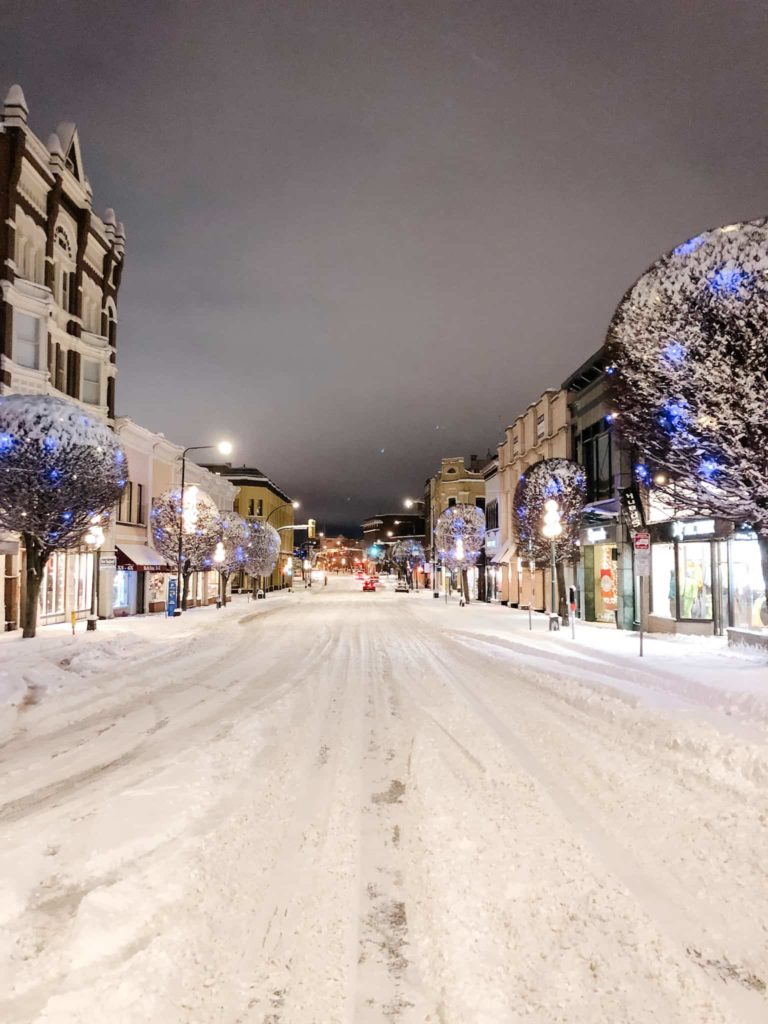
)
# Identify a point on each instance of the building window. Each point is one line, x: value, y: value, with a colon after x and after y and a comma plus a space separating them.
x: 91, y: 391
x: 251, y: 506
x: 480, y: 503
x: 597, y: 460
x: 140, y: 505
x: 492, y: 515
x: 540, y: 427
x: 451, y: 502
x: 260, y: 507
x: 26, y: 341
x: 124, y: 508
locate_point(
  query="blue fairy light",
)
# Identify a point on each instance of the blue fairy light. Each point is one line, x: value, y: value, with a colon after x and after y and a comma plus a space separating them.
x: 642, y: 473
x: 53, y: 475
x: 674, y: 416
x: 66, y: 517
x: 6, y: 443
x: 50, y: 444
x: 119, y: 456
x: 686, y: 248
x: 708, y: 468
x: 728, y: 280
x: 121, y: 483
x: 610, y: 370
x: 674, y: 352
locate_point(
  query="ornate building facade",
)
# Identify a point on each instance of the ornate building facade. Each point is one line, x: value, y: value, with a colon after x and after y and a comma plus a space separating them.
x: 60, y: 272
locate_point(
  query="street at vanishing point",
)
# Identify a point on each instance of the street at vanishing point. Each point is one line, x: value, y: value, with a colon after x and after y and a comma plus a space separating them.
x: 333, y: 806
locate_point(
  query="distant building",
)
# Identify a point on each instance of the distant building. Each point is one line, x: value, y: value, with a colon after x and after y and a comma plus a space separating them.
x: 340, y: 553
x: 388, y: 527
x: 541, y: 432
x: 257, y: 497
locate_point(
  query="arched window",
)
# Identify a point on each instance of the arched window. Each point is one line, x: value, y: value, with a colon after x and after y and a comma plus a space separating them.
x: 64, y: 274
x: 63, y: 242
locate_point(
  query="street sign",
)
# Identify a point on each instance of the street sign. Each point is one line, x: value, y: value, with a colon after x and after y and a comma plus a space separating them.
x: 172, y: 596
x: 108, y: 562
x: 642, y: 546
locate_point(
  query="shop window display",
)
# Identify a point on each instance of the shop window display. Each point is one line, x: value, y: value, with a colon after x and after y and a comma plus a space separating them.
x: 747, y: 585
x: 695, y: 566
x: 663, y: 581
x: 606, y: 594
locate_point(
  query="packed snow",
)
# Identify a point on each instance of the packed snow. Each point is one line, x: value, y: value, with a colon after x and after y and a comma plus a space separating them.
x: 336, y: 806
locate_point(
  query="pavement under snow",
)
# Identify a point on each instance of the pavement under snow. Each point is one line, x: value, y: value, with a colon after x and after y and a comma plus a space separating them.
x: 336, y: 806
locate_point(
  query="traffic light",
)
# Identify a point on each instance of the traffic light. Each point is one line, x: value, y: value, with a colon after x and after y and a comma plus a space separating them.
x: 311, y: 529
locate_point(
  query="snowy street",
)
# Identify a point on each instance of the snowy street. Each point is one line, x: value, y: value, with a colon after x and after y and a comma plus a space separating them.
x: 337, y: 806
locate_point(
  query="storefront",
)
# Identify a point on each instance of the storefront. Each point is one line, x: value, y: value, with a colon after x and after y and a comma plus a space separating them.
x: 66, y: 586
x: 597, y: 574
x: 139, y: 580
x: 704, y: 577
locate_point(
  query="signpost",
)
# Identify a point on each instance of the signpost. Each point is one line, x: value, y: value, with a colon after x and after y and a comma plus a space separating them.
x: 172, y: 596
x: 641, y: 543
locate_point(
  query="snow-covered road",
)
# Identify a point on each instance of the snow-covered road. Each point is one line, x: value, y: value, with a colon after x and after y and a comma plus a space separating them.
x: 347, y: 807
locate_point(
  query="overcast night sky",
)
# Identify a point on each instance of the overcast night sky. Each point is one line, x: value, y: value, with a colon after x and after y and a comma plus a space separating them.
x: 364, y: 235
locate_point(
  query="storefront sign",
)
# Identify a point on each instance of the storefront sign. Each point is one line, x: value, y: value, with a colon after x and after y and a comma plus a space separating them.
x: 641, y: 543
x: 597, y: 534
x: 108, y: 562
x: 632, y: 508
x: 698, y: 528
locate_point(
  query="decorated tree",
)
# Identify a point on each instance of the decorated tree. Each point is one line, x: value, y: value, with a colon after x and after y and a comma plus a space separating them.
x: 231, y: 553
x: 407, y: 554
x: 564, y: 482
x: 264, y: 549
x: 688, y: 362
x: 59, y: 470
x: 459, y: 536
x: 199, y: 524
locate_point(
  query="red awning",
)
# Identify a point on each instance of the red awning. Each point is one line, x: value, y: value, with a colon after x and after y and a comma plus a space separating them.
x: 141, y: 558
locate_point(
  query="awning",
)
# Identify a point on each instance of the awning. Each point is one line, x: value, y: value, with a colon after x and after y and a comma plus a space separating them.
x: 141, y: 557
x: 502, y: 557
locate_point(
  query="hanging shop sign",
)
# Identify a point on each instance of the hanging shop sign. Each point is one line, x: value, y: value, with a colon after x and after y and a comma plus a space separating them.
x: 632, y: 508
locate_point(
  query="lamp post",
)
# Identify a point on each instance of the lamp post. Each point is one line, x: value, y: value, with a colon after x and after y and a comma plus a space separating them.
x: 224, y: 448
x: 95, y: 538
x: 285, y: 504
x: 218, y: 557
x: 552, y: 529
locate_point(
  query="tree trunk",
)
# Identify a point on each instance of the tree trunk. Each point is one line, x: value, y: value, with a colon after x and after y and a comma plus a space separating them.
x: 224, y: 579
x: 762, y: 542
x: 186, y: 575
x: 465, y: 585
x: 562, y: 597
x: 36, y: 557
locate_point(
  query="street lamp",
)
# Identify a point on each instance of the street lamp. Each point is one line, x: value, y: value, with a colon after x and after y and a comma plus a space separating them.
x: 285, y: 504
x: 94, y: 538
x: 552, y: 529
x: 224, y: 448
x: 218, y: 556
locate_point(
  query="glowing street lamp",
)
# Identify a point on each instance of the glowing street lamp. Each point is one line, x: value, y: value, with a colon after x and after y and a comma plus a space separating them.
x: 223, y: 448
x: 94, y: 539
x: 552, y: 529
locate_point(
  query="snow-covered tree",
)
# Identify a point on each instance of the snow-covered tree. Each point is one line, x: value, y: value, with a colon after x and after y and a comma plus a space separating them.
x: 234, y: 538
x: 59, y: 470
x: 559, y: 480
x: 459, y: 536
x: 688, y: 362
x: 200, y: 528
x: 264, y: 548
x: 407, y: 554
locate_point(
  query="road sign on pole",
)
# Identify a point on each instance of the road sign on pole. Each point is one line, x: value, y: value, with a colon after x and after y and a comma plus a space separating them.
x: 641, y: 543
x: 642, y: 547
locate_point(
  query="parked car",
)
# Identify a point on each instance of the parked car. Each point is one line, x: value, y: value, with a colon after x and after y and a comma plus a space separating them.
x: 401, y: 587
x: 369, y: 585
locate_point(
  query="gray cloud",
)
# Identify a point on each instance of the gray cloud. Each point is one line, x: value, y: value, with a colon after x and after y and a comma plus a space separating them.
x: 349, y: 222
